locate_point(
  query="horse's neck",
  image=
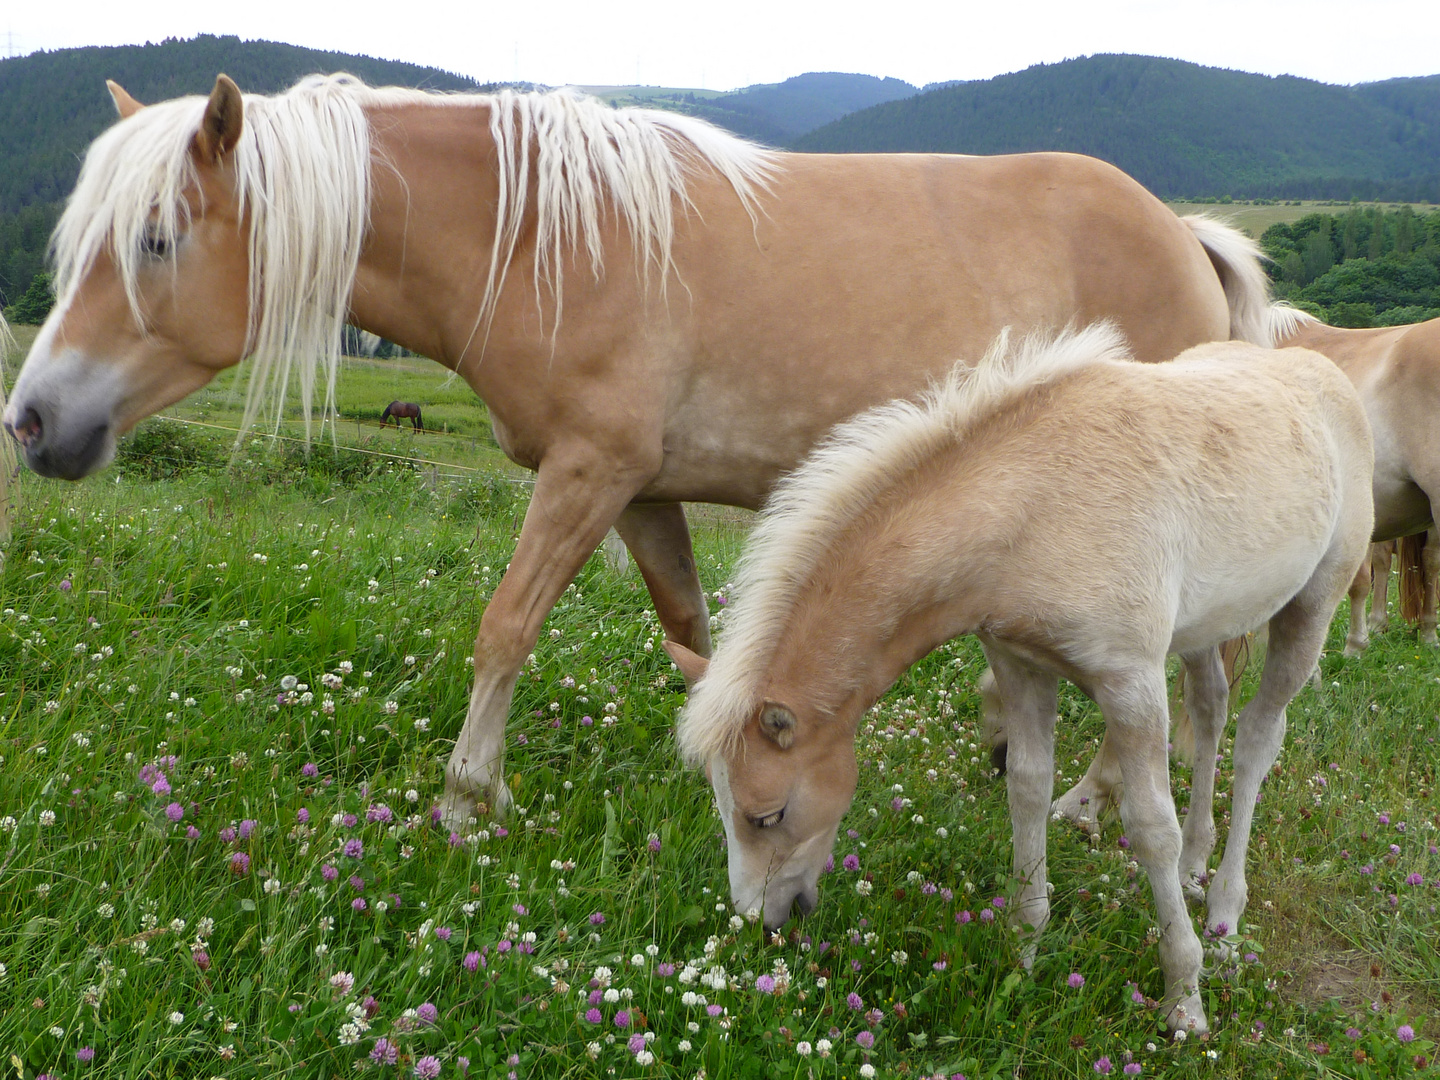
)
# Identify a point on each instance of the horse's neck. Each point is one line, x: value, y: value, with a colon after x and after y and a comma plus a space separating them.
x: 432, y: 223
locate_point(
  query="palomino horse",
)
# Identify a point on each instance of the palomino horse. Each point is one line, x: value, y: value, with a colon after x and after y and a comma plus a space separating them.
x: 7, y: 451
x: 1084, y: 516
x: 1397, y: 370
x: 723, y: 306
x: 403, y: 410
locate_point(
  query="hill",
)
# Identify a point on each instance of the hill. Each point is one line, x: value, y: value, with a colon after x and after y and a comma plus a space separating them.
x: 52, y: 104
x: 1179, y: 128
x: 773, y: 113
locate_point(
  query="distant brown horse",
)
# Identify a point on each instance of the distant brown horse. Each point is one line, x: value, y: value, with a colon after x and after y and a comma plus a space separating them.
x: 403, y: 410
x: 653, y: 310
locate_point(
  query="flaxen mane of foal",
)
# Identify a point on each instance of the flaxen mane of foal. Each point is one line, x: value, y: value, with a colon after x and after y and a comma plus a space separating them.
x: 652, y: 309
x: 1084, y: 516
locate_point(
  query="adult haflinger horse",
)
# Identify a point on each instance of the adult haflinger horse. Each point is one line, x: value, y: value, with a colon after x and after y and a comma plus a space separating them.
x: 1082, y: 514
x: 403, y: 410
x: 723, y: 305
x: 1397, y: 371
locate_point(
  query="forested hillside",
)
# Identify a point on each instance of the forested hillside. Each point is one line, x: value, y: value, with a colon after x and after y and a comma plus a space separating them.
x: 1179, y: 128
x: 53, y: 104
x: 1362, y: 267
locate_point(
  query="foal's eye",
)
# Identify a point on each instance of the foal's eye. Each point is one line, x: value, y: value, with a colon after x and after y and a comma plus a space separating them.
x: 154, y: 244
x: 769, y: 821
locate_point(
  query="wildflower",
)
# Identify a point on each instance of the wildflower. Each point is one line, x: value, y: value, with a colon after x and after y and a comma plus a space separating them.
x: 246, y: 828
x: 1405, y: 1033
x: 385, y: 1052
x: 175, y: 812
x: 1414, y: 879
x: 622, y: 1018
x: 427, y: 1014
x: 867, y: 1071
x: 653, y: 843
x: 471, y: 963
x: 851, y: 862
x: 177, y: 1018
x: 201, y: 958
x: 239, y: 863
x: 358, y: 904
x: 854, y: 1001
x: 803, y: 1048
x: 1103, y: 1066
x: 192, y: 833
x: 593, y: 1016
x: 962, y: 917
x: 1133, y: 1069
x: 353, y: 848
x: 47, y: 817
x: 597, y: 919
x: 765, y: 984
x: 1076, y: 980
x: 428, y: 1067
x: 986, y: 915
x: 309, y: 770
x: 342, y: 982
x: 823, y: 1047
x: 85, y: 1055
x: 866, y: 1040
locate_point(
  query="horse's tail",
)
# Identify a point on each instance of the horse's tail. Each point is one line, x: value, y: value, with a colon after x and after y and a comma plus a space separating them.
x: 1286, y: 321
x: 1412, y: 576
x: 1239, y: 263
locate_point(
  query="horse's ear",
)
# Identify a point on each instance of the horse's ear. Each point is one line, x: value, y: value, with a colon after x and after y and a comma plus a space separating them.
x: 125, y: 105
x: 223, y: 121
x: 778, y: 723
x: 691, y: 664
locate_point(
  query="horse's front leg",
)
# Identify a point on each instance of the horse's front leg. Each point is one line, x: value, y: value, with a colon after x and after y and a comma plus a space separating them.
x: 578, y: 493
x: 659, y: 539
x: 1430, y: 560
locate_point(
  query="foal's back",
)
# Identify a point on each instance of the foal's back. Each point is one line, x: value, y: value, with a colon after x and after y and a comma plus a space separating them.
x: 1177, y: 504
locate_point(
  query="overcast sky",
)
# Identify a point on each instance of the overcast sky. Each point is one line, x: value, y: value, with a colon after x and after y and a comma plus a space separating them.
x: 723, y: 45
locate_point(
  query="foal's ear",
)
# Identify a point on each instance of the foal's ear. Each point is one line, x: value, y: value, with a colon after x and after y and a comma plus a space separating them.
x: 691, y: 664
x: 223, y: 121
x: 125, y: 105
x: 778, y: 723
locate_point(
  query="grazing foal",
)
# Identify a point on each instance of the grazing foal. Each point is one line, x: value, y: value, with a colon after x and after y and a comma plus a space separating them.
x: 1084, y: 515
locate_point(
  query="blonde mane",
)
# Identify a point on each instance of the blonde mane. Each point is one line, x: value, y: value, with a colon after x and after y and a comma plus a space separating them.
x: 302, y: 173
x: 809, y: 508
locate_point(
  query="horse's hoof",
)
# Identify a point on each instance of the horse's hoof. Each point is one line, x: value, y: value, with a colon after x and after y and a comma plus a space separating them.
x: 1353, y: 648
x: 1187, y: 1017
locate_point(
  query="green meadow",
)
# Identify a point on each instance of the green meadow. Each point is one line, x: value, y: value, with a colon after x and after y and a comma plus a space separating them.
x: 228, y: 687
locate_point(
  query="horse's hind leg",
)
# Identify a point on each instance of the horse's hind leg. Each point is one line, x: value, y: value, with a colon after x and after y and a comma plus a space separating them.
x: 1380, y: 559
x: 659, y: 539
x: 1085, y: 803
x: 1028, y: 698
x: 577, y: 495
x: 1359, y: 636
x: 1136, y: 718
x: 1207, y: 697
x: 1297, y: 634
x: 1430, y: 562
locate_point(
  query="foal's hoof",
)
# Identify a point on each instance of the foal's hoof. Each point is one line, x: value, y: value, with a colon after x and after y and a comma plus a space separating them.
x: 1193, y: 885
x: 460, y: 809
x: 1187, y: 1017
x: 1081, y: 811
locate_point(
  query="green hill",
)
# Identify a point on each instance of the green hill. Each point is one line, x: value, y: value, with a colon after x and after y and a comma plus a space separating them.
x: 1179, y: 128
x: 52, y: 104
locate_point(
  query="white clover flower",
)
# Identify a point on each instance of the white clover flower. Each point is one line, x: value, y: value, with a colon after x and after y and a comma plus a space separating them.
x: 644, y: 1057
x: 803, y: 1048
x: 8, y: 824
x: 272, y: 886
x: 823, y: 1047
x: 422, y: 724
x: 737, y: 923
x: 105, y: 911
x: 261, y: 559
x: 390, y: 708
x: 611, y: 995
x: 863, y: 887
x: 651, y: 950
x: 683, y: 1046
x: 867, y: 1071
x: 177, y: 1018
x: 593, y: 1050
x: 47, y: 817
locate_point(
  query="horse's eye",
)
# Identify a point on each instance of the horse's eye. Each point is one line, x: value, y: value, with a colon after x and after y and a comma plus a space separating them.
x: 154, y: 245
x: 769, y: 821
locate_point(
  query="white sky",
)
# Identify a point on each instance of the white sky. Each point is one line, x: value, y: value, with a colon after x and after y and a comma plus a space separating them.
x: 722, y: 44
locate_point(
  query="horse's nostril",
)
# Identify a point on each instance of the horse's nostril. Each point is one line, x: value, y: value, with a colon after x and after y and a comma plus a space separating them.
x: 29, y: 429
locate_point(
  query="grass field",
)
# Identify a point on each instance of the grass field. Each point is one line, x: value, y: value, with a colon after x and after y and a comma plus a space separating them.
x: 1255, y: 219
x: 226, y: 698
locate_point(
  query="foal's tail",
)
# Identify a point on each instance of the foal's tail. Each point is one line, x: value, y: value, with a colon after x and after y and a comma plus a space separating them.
x: 1239, y: 263
x: 1412, y: 576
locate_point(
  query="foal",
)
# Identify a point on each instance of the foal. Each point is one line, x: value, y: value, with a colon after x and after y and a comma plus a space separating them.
x: 1084, y: 515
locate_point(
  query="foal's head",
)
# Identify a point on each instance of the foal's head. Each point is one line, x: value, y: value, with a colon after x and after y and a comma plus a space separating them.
x: 154, y: 273
x: 781, y: 793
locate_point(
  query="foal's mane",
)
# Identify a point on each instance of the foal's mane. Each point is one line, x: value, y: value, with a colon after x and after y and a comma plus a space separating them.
x: 813, y: 506
x: 302, y: 170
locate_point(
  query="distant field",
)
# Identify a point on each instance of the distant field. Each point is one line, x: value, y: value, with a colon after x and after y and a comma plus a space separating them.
x: 1255, y: 219
x: 630, y: 95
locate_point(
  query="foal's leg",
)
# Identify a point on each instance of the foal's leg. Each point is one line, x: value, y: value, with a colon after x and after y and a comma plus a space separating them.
x: 1207, y: 697
x: 659, y: 539
x: 1028, y: 698
x: 1136, y: 718
x: 1359, y: 637
x: 1297, y: 633
x: 578, y: 493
